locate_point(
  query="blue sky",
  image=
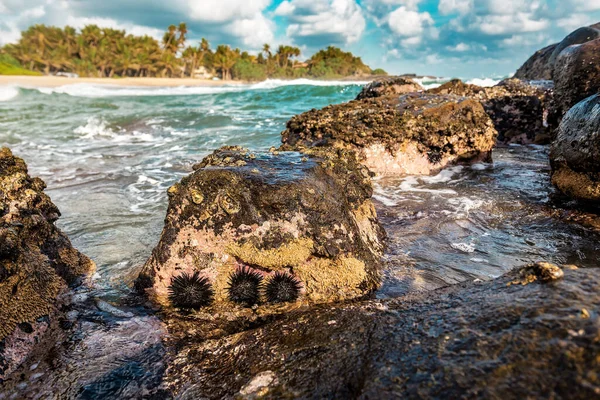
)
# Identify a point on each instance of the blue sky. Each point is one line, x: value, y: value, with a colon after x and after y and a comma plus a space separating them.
x: 461, y: 38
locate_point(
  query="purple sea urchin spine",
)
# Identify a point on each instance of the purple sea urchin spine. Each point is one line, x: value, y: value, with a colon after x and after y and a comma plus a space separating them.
x: 190, y: 291
x: 282, y: 288
x: 244, y: 286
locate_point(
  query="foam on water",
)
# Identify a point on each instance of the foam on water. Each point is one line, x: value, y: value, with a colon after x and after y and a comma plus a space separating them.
x: 93, y: 128
x: 8, y: 92
x: 486, y: 82
x: 108, y: 90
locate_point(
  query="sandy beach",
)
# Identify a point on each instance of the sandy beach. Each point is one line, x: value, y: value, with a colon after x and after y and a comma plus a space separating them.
x: 54, y: 81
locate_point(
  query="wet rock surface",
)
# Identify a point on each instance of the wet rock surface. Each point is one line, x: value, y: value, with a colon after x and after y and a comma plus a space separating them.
x: 577, y: 75
x: 498, y: 339
x: 268, y: 228
x: 576, y: 150
x: 393, y: 85
x: 518, y: 109
x: 416, y: 133
x: 37, y: 262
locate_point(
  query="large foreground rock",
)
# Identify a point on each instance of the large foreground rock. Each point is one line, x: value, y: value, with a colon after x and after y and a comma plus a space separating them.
x: 518, y: 109
x: 37, y: 262
x: 541, y: 66
x: 577, y: 74
x: 306, y: 215
x: 575, y: 153
x: 529, y: 334
x: 416, y: 133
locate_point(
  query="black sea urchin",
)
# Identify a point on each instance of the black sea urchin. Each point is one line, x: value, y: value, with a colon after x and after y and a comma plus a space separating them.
x: 282, y: 288
x: 190, y: 291
x: 244, y: 286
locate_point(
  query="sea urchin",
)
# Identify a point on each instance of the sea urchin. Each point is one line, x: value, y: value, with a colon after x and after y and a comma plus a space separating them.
x: 190, y: 291
x: 244, y: 286
x: 282, y: 288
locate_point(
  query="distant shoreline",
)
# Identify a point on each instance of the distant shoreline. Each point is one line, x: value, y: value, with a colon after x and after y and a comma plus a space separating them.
x: 55, y: 81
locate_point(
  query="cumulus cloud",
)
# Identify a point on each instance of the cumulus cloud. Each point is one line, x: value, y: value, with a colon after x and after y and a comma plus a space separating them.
x: 322, y: 22
x: 238, y: 22
x: 455, y: 6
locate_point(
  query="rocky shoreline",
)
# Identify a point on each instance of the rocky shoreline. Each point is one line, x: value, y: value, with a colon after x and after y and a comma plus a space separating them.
x: 264, y: 273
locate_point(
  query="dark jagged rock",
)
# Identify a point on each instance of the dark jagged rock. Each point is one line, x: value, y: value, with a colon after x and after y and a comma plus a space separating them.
x: 538, y: 66
x: 523, y: 335
x: 577, y: 75
x: 37, y: 262
x: 308, y: 215
x: 416, y: 133
x: 389, y: 86
x: 518, y: 109
x: 541, y: 66
x: 575, y: 152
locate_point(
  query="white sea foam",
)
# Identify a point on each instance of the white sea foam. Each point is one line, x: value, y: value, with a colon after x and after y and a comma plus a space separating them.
x: 94, y: 127
x: 430, y: 83
x: 8, y: 92
x: 464, y: 247
x: 485, y: 82
x: 108, y: 90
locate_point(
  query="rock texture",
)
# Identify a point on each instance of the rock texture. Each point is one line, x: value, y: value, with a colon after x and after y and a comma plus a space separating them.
x: 518, y: 109
x: 530, y: 334
x: 538, y: 66
x: 541, y: 66
x: 306, y: 215
x: 575, y: 153
x: 416, y: 133
x: 577, y: 74
x: 37, y: 262
x: 390, y: 86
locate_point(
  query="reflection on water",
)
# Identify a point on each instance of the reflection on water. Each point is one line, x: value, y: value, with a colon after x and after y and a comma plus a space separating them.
x: 108, y: 159
x: 476, y: 222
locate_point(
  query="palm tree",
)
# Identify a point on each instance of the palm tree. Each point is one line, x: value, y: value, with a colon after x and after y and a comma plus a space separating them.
x: 225, y: 59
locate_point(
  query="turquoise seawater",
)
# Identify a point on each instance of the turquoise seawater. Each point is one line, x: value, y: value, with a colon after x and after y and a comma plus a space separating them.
x: 108, y: 154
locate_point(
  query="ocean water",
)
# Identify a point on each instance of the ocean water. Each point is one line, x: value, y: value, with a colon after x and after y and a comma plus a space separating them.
x: 108, y: 155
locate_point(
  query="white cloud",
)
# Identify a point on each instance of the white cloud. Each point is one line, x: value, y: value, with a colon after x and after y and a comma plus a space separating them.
x: 461, y: 47
x: 225, y: 10
x: 331, y: 20
x: 254, y: 31
x: 509, y: 24
x: 407, y: 23
x: 446, y: 7
x: 36, y: 12
x: 139, y: 30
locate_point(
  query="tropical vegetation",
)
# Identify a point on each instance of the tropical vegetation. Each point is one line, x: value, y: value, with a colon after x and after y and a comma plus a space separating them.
x: 106, y: 52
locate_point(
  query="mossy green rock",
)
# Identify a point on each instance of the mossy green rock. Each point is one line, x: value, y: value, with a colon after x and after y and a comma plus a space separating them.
x: 37, y: 261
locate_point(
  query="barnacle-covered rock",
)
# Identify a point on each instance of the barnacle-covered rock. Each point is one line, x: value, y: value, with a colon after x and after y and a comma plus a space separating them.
x: 416, y: 133
x: 37, y: 262
x: 389, y: 86
x: 242, y: 218
x: 520, y: 110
